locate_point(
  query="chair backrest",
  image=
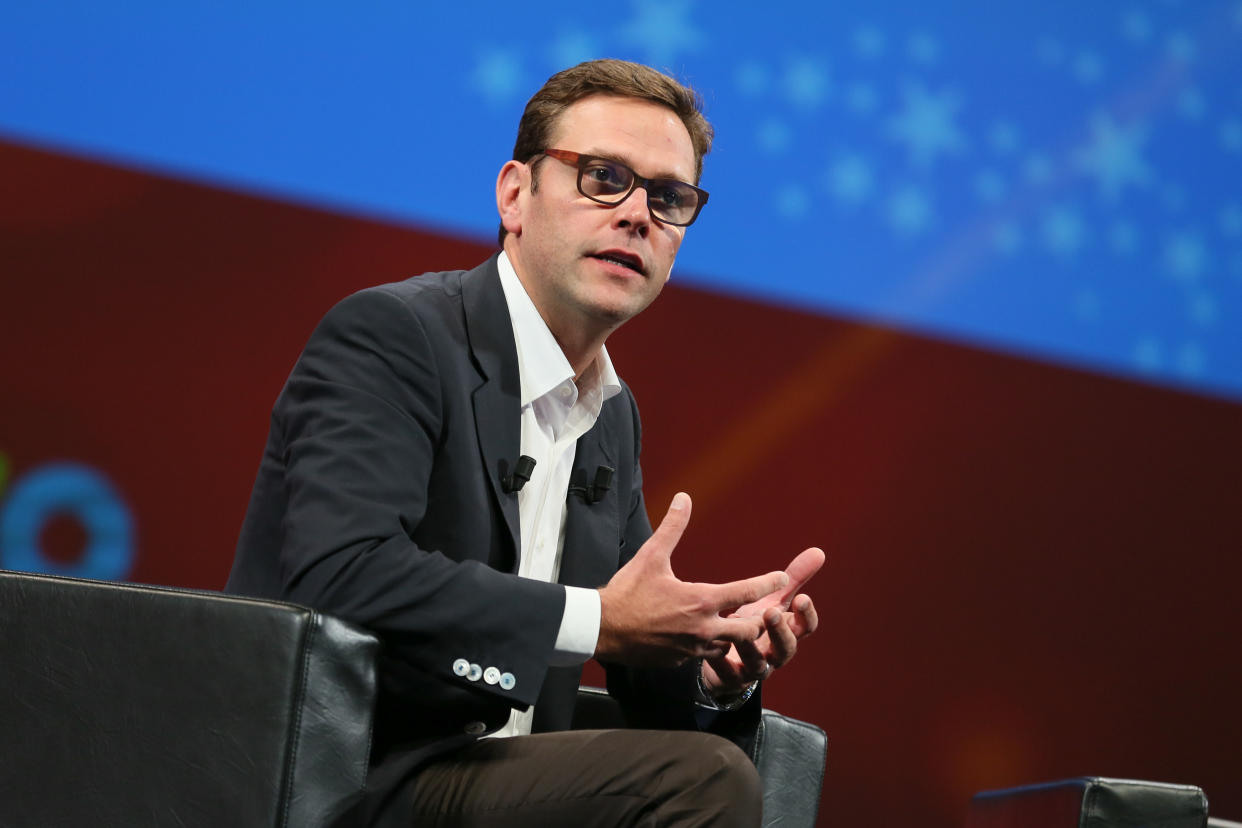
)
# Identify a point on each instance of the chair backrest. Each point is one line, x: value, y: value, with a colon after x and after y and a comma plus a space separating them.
x: 133, y: 705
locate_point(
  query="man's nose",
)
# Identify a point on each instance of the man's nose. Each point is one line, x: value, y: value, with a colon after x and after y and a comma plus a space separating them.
x: 634, y: 214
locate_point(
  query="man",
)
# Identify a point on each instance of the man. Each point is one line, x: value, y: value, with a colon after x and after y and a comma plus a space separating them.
x: 391, y: 494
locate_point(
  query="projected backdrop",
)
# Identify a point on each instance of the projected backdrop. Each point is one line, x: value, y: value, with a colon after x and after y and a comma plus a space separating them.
x: 963, y: 310
x: 1056, y: 179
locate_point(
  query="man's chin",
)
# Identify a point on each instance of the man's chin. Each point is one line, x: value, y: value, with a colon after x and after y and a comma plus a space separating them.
x: 616, y: 309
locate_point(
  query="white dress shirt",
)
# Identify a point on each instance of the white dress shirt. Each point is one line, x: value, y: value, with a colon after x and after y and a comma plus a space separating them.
x: 556, y: 411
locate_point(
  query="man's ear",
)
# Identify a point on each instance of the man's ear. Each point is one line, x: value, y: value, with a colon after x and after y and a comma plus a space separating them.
x: 512, y: 189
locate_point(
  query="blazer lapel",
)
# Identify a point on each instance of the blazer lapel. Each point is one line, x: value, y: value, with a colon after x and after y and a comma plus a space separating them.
x: 497, y: 401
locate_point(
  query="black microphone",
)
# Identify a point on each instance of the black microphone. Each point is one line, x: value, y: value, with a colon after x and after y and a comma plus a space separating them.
x: 521, y: 473
x: 596, y: 491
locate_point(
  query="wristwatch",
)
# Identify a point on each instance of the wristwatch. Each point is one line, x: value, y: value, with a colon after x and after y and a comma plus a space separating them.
x: 706, y: 699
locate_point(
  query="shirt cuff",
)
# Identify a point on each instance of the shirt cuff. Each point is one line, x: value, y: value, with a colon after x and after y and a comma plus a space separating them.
x: 579, y: 633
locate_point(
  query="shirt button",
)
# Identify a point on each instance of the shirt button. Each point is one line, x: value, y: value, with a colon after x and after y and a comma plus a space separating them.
x: 461, y: 667
x: 475, y: 728
x: 476, y: 672
x: 507, y: 681
x: 491, y: 675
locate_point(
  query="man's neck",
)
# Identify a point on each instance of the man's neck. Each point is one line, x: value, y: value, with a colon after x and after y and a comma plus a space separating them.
x: 581, y: 337
x: 581, y: 351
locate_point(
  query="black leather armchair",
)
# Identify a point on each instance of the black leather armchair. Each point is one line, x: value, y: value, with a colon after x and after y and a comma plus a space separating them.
x: 789, y: 754
x: 1092, y: 802
x: 133, y: 705
x: 125, y: 705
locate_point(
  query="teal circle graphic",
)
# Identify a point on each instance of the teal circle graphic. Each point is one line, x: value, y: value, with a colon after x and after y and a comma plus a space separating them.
x: 77, y: 491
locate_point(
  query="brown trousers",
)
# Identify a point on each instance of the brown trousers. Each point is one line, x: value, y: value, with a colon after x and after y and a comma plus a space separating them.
x: 587, y: 778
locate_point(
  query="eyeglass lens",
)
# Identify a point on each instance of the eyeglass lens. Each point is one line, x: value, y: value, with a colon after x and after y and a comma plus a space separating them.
x: 610, y: 182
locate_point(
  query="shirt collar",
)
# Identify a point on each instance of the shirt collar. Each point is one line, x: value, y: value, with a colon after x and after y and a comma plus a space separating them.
x: 542, y: 366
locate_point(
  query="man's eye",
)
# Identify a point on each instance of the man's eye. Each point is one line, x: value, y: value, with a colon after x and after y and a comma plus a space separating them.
x: 668, y: 196
x: 604, y: 175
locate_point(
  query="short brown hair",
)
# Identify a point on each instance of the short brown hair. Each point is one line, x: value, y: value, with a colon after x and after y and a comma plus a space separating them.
x: 609, y: 77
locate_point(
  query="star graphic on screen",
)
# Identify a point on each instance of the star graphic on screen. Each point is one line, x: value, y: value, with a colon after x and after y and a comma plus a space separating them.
x: 1113, y: 156
x: 1203, y: 309
x: 1180, y: 46
x: 792, y: 201
x: 774, y: 136
x: 1136, y: 27
x: 1190, y: 104
x: 988, y: 186
x: 1049, y: 51
x: 868, y: 42
x: 1007, y: 237
x: 1231, y: 220
x: 1174, y: 197
x: 1148, y: 355
x: 850, y: 180
x: 572, y: 48
x: 1088, y: 68
x: 925, y: 124
x: 1231, y: 136
x: 499, y: 76
x: 1191, y: 360
x: 1185, y: 256
x: 751, y: 79
x: 1037, y: 169
x: 662, y: 30
x: 1003, y: 137
x: 1123, y: 237
x: 861, y: 98
x: 923, y: 48
x: 1063, y: 231
x: 909, y: 211
x: 806, y: 82
x: 1086, y: 304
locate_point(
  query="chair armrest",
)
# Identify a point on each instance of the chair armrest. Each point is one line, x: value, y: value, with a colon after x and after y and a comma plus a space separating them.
x: 137, y: 705
x: 1090, y: 801
x: 789, y: 754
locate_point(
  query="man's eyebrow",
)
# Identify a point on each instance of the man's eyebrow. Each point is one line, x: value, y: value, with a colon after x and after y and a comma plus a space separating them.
x: 612, y: 156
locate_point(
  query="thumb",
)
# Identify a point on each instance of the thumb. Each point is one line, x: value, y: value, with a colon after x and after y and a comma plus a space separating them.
x: 669, y: 532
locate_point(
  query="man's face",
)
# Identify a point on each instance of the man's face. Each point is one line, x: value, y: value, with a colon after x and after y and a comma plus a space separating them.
x: 587, y: 264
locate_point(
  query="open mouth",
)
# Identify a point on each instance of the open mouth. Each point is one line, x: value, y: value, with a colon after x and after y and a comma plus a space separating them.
x: 622, y: 258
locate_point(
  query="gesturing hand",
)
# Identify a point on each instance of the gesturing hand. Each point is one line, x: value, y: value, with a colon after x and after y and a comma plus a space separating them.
x: 648, y: 617
x: 788, y: 617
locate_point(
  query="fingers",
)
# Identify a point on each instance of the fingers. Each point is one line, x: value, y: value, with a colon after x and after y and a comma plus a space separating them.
x: 727, y: 597
x: 725, y: 676
x: 669, y: 532
x: 736, y: 631
x: 719, y: 673
x: 804, y: 620
x: 754, y: 662
x: 800, y: 570
x: 784, y: 642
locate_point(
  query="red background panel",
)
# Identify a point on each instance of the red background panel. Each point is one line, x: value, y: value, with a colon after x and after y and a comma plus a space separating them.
x: 1032, y: 571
